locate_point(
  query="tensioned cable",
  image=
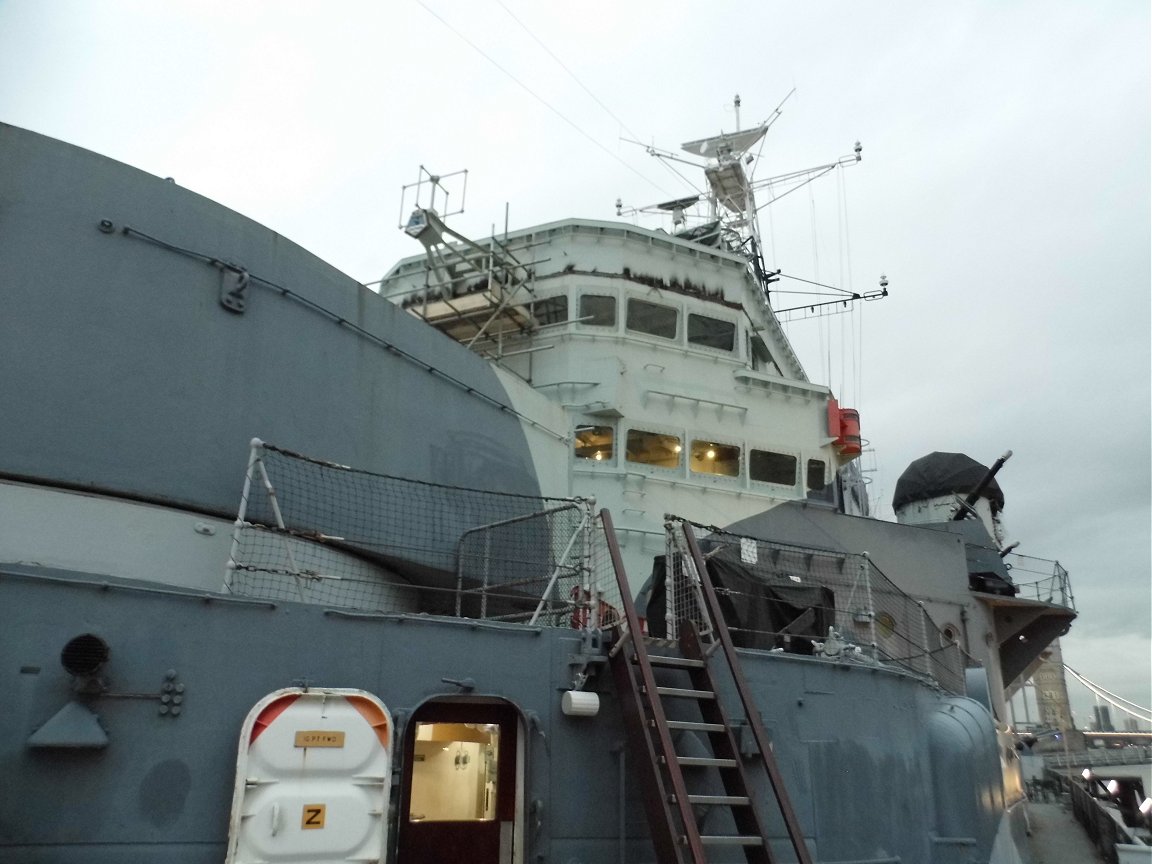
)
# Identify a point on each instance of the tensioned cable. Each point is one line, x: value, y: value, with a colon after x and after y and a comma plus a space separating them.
x: 840, y: 254
x: 857, y: 317
x: 687, y: 182
x: 823, y: 326
x: 594, y: 97
x: 858, y: 356
x: 563, y: 66
x: 535, y: 95
x: 1096, y: 688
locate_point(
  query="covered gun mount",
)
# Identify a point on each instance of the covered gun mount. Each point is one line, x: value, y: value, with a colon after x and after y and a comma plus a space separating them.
x: 979, y: 488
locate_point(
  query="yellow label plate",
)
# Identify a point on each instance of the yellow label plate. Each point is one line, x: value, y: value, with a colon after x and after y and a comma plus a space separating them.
x: 313, y: 816
x: 319, y: 738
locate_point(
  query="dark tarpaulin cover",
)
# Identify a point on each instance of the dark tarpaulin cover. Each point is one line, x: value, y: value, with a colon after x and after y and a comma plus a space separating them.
x: 944, y: 474
x: 756, y: 608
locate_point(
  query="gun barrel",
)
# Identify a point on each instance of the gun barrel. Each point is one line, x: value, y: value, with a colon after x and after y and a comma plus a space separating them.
x: 978, y: 490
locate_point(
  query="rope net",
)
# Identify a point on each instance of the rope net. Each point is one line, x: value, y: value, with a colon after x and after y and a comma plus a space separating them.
x: 779, y: 597
x: 317, y: 532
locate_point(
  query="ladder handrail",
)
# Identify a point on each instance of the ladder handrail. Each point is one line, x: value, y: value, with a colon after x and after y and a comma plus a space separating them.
x: 720, y: 629
x: 660, y: 722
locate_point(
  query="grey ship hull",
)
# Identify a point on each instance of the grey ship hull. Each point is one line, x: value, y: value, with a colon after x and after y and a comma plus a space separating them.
x: 122, y: 375
x: 122, y: 372
x: 876, y: 762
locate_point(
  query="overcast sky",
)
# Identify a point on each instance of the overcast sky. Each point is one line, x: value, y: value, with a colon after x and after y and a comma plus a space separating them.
x: 1004, y: 191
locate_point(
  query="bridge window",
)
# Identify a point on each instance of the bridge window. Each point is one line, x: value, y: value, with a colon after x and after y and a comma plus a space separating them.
x: 594, y: 442
x: 597, y: 310
x: 711, y: 332
x: 816, y: 481
x: 708, y: 457
x: 652, y: 318
x: 551, y: 310
x: 653, y: 448
x: 762, y: 359
x: 765, y: 466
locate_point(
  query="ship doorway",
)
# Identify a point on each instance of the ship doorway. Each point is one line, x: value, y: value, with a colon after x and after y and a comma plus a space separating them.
x: 462, y: 792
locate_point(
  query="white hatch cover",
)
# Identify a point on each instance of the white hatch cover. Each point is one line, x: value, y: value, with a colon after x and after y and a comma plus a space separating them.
x: 312, y: 779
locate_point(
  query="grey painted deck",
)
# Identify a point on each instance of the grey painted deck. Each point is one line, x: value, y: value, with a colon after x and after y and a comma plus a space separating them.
x: 1057, y: 838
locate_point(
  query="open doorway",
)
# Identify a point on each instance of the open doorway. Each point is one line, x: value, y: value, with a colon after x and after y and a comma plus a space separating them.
x: 459, y: 798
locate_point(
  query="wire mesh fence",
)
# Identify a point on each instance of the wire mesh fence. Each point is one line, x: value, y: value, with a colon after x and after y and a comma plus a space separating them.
x: 317, y: 532
x: 779, y: 597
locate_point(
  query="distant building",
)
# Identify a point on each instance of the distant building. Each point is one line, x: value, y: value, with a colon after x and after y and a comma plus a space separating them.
x: 1103, y: 721
x: 1131, y: 724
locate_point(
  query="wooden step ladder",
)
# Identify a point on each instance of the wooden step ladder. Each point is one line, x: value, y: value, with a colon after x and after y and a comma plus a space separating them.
x: 671, y: 807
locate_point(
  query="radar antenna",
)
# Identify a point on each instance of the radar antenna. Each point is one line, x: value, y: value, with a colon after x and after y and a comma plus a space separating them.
x: 471, y: 291
x: 732, y: 209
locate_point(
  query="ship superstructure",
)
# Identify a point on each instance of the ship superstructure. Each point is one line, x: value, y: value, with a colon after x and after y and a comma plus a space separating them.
x: 672, y: 380
x: 386, y: 633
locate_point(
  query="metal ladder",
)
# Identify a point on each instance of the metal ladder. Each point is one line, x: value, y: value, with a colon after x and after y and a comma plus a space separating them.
x: 671, y: 807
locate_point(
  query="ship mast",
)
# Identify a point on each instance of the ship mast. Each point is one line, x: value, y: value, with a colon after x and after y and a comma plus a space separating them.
x: 730, y: 197
x: 731, y: 193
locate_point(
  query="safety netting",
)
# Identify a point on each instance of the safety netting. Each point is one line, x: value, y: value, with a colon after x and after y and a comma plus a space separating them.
x: 319, y: 532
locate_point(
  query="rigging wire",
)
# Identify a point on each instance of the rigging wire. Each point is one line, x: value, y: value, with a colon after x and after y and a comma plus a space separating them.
x: 858, y: 357
x: 824, y: 327
x: 857, y: 321
x: 840, y: 253
x: 666, y: 161
x: 594, y: 97
x: 686, y: 181
x: 537, y: 96
x: 564, y: 66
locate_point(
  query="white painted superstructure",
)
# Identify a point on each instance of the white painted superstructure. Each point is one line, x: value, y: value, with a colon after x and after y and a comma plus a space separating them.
x: 668, y: 375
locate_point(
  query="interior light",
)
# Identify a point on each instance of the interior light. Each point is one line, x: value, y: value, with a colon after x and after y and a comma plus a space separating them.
x: 1146, y: 806
x: 1086, y: 773
x: 599, y: 456
x: 711, y: 454
x: 1113, y: 787
x: 677, y: 448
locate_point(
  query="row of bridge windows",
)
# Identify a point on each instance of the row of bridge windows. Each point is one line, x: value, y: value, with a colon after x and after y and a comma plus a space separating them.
x: 663, y: 450
x: 640, y: 316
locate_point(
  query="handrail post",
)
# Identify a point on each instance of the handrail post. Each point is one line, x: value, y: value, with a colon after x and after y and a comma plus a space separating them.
x: 751, y: 711
x: 867, y: 577
x: 659, y: 721
x: 255, y: 446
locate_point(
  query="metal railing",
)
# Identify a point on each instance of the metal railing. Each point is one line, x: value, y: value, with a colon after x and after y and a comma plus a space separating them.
x: 1097, y: 758
x: 1040, y: 579
x: 778, y: 597
x: 1100, y: 825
